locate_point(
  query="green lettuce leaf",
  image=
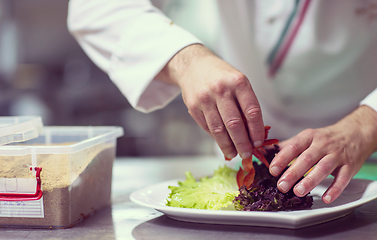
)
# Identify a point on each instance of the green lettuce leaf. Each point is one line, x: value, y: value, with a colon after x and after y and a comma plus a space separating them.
x: 216, y: 192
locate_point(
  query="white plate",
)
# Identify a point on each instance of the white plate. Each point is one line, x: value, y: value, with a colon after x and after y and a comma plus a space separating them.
x: 357, y: 193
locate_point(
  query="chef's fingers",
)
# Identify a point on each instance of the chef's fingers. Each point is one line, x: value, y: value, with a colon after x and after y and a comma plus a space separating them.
x: 235, y: 126
x: 282, y: 144
x: 199, y: 118
x: 340, y: 182
x: 319, y: 172
x: 291, y: 149
x: 251, y: 109
x: 225, y: 145
x: 218, y: 130
x: 299, y: 167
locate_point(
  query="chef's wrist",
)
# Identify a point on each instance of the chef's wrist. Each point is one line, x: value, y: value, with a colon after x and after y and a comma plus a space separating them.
x: 181, y: 62
x: 366, y: 120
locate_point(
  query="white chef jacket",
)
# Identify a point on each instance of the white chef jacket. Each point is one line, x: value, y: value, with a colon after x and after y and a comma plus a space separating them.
x: 329, y: 70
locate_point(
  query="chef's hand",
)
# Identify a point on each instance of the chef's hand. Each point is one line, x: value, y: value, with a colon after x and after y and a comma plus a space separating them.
x: 339, y: 149
x: 217, y: 97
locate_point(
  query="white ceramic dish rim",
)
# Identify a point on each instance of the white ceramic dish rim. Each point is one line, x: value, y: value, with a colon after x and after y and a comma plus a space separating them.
x: 148, y: 196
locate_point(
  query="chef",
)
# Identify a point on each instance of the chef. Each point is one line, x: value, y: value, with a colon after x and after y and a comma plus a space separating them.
x: 308, y: 68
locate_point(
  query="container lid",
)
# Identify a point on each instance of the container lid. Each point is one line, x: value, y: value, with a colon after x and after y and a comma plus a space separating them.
x: 19, y: 129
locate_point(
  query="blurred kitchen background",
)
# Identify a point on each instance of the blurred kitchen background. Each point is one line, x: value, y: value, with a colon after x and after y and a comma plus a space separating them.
x: 44, y: 72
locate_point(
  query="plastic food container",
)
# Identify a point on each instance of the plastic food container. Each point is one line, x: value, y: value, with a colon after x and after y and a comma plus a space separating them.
x: 53, y: 177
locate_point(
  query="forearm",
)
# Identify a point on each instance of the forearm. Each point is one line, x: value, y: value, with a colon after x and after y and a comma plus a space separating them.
x: 98, y: 25
x: 131, y: 41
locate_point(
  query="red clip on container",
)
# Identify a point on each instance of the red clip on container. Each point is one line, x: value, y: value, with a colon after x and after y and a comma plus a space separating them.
x: 53, y: 177
x: 6, y: 196
x: 20, y: 129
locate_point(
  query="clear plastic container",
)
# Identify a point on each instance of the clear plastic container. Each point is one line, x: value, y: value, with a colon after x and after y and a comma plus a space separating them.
x: 75, y: 178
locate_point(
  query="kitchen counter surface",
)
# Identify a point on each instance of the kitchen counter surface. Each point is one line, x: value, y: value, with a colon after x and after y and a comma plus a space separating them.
x: 125, y: 220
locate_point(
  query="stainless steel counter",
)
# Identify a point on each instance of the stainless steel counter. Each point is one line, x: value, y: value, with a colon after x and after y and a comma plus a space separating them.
x: 126, y: 220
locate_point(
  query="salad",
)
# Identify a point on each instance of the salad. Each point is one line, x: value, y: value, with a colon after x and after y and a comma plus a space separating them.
x: 251, y: 188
